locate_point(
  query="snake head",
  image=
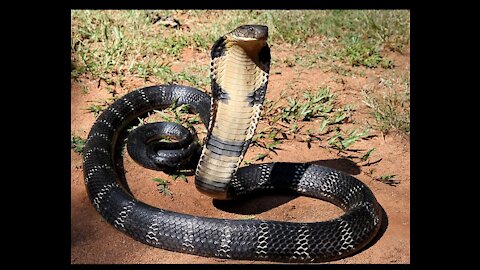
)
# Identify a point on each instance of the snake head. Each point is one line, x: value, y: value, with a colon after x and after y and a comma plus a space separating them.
x: 249, y: 33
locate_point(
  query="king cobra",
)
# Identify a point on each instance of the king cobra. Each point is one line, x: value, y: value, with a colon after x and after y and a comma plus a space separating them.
x: 240, y: 62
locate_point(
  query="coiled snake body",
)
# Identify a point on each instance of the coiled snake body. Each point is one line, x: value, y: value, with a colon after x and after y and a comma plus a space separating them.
x: 239, y: 73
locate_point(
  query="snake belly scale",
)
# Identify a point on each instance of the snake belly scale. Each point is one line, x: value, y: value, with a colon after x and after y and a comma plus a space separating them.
x: 239, y: 73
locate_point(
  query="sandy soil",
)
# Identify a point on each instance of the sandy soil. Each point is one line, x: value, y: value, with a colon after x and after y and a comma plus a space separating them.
x: 94, y: 241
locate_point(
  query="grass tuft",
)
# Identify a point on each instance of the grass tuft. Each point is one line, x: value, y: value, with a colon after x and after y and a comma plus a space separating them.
x: 359, y: 53
x: 77, y: 143
x: 163, y: 186
x: 390, y: 110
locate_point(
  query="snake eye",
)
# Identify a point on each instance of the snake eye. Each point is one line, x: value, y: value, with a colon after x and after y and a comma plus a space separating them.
x: 250, y: 29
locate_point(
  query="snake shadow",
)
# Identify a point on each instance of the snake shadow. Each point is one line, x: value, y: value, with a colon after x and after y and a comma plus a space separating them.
x: 259, y: 203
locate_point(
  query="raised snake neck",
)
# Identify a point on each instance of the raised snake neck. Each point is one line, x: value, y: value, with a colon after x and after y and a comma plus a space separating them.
x: 239, y: 73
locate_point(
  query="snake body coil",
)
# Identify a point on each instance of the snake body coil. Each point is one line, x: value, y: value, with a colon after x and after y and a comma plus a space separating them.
x: 240, y: 64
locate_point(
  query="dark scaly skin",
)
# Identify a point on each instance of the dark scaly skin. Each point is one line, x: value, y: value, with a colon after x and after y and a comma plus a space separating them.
x: 222, y: 238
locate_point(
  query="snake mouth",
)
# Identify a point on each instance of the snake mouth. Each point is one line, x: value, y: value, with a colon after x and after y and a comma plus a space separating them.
x: 249, y: 37
x: 250, y: 32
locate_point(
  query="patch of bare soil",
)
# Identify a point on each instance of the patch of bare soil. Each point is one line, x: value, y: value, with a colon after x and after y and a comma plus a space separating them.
x: 93, y: 240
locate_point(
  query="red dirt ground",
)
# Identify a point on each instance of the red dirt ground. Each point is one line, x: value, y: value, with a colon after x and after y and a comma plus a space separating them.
x: 94, y: 241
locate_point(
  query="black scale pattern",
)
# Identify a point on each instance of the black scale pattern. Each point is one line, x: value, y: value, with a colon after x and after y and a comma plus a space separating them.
x: 235, y: 239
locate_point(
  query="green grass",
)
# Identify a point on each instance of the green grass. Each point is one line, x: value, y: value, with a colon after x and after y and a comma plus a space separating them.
x: 342, y: 140
x: 310, y: 105
x: 163, y: 186
x: 77, y: 143
x: 388, y: 179
x: 96, y: 107
x: 390, y: 109
x: 105, y: 44
x: 292, y: 118
x: 368, y: 154
x: 387, y: 28
x: 357, y: 52
x: 113, y: 43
